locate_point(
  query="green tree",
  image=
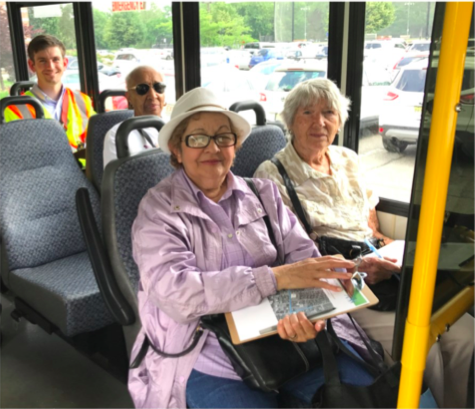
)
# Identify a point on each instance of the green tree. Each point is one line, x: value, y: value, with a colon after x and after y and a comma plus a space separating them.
x: 123, y: 29
x: 221, y: 25
x: 379, y: 15
x: 411, y: 18
x: 100, y: 20
x: 48, y: 25
x: 258, y: 16
x: 158, y: 28
x: 66, y: 27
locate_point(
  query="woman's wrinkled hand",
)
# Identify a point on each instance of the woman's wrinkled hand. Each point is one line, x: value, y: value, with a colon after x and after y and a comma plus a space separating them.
x: 378, y: 269
x: 309, y: 273
x: 297, y: 328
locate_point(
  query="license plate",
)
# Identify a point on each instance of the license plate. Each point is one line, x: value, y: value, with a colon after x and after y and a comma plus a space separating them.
x: 417, y: 109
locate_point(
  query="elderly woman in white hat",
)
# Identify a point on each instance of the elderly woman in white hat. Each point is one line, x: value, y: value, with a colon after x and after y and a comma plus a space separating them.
x: 202, y: 247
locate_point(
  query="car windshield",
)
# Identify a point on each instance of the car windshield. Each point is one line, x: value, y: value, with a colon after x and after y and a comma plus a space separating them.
x: 421, y: 47
x: 411, y: 80
x: 263, y: 52
x: 407, y: 60
x: 287, y: 80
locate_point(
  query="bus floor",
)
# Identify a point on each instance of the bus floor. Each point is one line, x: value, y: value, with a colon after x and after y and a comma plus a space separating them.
x: 43, y: 371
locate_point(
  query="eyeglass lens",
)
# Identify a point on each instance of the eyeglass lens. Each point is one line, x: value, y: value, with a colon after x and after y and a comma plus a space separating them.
x: 142, y: 89
x: 202, y: 141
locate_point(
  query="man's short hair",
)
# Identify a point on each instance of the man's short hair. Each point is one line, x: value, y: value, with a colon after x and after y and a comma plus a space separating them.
x: 42, y: 42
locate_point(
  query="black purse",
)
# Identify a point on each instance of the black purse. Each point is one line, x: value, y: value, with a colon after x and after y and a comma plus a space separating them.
x: 386, y: 291
x: 382, y: 393
x: 269, y: 362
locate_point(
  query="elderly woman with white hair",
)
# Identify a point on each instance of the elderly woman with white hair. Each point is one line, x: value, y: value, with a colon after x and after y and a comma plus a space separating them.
x: 340, y: 213
x: 202, y: 247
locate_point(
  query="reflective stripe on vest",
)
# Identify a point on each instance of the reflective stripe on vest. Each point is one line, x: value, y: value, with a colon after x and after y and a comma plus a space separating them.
x: 75, y: 106
x: 21, y: 111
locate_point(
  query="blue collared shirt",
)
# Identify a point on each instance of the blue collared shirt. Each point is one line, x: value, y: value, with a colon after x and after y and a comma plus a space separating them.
x: 53, y: 107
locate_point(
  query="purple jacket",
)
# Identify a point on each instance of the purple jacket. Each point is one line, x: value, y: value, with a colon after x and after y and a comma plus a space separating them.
x: 178, y: 250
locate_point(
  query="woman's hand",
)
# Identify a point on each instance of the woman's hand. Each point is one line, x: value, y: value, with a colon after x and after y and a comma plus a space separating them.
x: 309, y: 272
x: 297, y: 328
x: 378, y: 269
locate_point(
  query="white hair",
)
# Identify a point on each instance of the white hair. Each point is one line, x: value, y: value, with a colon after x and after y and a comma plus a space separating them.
x: 311, y: 92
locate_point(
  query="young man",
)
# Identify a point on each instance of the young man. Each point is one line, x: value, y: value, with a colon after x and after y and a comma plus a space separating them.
x: 146, y: 96
x: 46, y: 58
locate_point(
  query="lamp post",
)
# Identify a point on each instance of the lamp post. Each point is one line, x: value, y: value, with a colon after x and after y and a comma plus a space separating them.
x: 408, y: 10
x: 305, y: 21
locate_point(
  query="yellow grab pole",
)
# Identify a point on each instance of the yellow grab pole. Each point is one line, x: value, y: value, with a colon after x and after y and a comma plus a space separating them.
x: 444, y: 116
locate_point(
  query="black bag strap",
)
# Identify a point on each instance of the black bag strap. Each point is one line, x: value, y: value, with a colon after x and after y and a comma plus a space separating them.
x: 293, y: 195
x: 146, y: 136
x: 146, y: 343
x: 253, y: 187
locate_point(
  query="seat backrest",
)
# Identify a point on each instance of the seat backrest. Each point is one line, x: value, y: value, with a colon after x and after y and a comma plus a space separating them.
x: 38, y: 181
x: 98, y: 126
x: 261, y: 145
x: 125, y: 183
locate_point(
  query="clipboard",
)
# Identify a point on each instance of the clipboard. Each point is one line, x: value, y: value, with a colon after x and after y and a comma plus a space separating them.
x: 366, y: 291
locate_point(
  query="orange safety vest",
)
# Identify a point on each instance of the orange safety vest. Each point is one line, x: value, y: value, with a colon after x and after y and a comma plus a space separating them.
x: 75, y: 113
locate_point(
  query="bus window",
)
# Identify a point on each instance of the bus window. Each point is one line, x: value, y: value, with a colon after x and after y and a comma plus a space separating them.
x: 266, y: 54
x: 127, y: 37
x: 56, y: 20
x: 392, y: 94
x: 7, y: 69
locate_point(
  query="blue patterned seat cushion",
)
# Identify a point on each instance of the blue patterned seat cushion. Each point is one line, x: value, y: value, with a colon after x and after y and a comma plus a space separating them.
x: 261, y: 145
x: 65, y: 291
x: 98, y: 126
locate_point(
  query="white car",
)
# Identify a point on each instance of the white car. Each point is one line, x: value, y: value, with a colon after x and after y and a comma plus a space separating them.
x: 126, y: 61
x: 384, y: 52
x: 400, y: 117
x: 375, y: 84
x: 420, y: 45
x: 284, y: 79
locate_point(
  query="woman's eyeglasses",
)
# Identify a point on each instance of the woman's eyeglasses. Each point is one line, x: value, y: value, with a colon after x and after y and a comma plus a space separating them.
x: 222, y: 140
x: 143, y: 89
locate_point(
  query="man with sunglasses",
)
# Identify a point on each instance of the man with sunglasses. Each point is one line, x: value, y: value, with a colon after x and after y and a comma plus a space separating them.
x: 146, y: 96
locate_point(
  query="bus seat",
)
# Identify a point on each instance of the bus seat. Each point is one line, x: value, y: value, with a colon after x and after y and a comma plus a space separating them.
x: 98, y: 126
x: 261, y: 145
x: 48, y: 269
x: 126, y: 180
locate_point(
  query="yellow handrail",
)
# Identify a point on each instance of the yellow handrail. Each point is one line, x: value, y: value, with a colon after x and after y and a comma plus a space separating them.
x: 434, y: 194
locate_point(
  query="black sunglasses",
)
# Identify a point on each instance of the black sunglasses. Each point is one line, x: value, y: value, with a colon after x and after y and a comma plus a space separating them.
x: 142, y: 89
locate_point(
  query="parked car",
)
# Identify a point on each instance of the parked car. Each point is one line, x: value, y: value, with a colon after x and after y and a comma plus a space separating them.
x: 419, y: 45
x: 409, y: 57
x: 259, y: 74
x: 253, y: 48
x: 400, y: 117
x: 283, y: 80
x: 239, y: 58
x: 384, y: 52
x: 285, y: 77
x: 265, y: 54
x: 125, y: 61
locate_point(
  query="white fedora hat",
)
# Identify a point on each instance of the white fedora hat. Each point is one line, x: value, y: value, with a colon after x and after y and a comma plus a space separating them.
x: 200, y: 100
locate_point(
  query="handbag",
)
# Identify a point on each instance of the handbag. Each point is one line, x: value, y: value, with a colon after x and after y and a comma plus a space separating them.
x: 266, y: 363
x: 382, y: 393
x: 386, y: 291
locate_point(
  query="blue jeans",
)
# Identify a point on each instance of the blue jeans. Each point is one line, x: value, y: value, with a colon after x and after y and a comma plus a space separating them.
x: 206, y: 391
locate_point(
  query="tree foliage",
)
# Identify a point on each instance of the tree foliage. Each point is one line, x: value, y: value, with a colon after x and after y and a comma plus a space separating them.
x: 379, y: 15
x: 123, y: 29
x: 221, y: 25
